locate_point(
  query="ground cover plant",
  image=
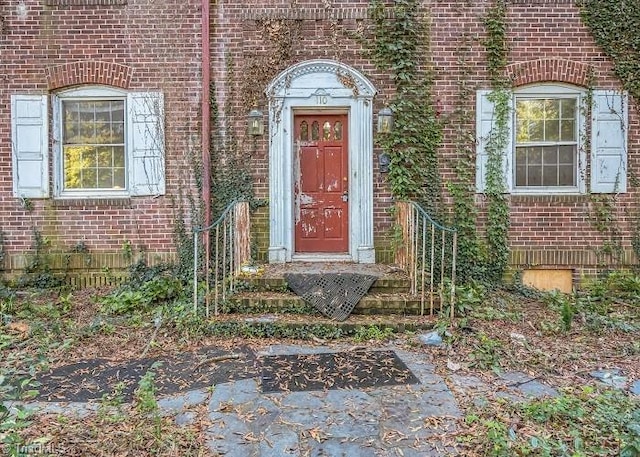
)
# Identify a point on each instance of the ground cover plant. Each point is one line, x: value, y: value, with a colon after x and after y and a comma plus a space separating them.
x: 556, y: 338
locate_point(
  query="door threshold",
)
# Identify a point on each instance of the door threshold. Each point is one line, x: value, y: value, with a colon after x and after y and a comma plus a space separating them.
x: 322, y: 257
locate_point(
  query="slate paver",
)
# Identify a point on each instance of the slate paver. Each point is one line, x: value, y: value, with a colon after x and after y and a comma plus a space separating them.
x: 279, y: 441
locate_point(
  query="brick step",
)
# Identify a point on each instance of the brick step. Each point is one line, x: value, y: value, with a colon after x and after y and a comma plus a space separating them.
x: 278, y: 284
x: 372, y: 303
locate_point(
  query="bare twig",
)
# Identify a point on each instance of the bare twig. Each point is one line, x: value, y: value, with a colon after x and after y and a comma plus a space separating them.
x: 158, y: 324
x: 216, y: 359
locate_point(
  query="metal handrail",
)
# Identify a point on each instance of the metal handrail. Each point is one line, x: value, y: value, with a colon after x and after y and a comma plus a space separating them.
x: 418, y: 254
x: 230, y: 248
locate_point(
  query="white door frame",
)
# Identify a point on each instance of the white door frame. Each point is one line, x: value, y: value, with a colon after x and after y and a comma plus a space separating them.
x: 316, y: 85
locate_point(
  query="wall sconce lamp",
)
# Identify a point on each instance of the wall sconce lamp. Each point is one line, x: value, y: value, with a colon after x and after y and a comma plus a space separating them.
x: 254, y: 122
x: 385, y: 120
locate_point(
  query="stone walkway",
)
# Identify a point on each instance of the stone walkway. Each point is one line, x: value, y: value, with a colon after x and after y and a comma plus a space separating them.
x: 400, y: 420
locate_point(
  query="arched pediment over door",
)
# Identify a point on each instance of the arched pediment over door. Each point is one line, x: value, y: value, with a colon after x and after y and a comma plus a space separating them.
x: 322, y: 88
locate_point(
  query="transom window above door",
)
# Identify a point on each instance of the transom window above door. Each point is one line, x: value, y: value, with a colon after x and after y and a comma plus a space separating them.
x: 329, y: 131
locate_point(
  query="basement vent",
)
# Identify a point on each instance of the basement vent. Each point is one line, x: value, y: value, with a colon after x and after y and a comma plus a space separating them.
x: 548, y: 279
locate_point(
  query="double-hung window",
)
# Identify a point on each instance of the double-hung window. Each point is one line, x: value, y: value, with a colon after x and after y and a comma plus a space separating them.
x: 546, y: 143
x: 546, y: 151
x: 93, y: 145
x: 106, y: 143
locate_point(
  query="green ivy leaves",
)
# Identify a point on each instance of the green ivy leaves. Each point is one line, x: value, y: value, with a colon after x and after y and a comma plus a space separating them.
x: 498, y: 220
x: 615, y: 25
x: 398, y: 47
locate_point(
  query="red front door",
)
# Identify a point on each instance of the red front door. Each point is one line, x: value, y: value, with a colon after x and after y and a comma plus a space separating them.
x: 321, y: 183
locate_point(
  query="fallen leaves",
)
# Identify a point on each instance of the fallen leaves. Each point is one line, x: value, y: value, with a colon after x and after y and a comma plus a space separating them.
x: 22, y: 329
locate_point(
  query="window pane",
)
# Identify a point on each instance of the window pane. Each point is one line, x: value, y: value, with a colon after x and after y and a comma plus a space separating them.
x: 88, y: 179
x: 551, y: 131
x: 568, y: 130
x: 117, y: 133
x: 534, y: 166
x: 105, y: 178
x: 566, y: 175
x: 88, y: 157
x: 118, y: 178
x: 338, y: 130
x: 522, y: 130
x: 542, y: 123
x: 521, y: 175
x: 568, y: 108
x: 315, y: 131
x: 534, y: 156
x: 72, y: 166
x: 93, y: 144
x: 536, y: 131
x: 105, y: 157
x: 116, y: 110
x: 550, y: 155
x: 102, y: 111
x: 118, y: 157
x: 534, y: 175
x: 549, y: 175
x: 70, y: 116
x: 566, y: 154
x: 552, y: 109
x: 304, y: 131
x: 326, y: 129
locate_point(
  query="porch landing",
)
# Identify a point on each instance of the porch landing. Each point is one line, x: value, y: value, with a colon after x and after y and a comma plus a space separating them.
x: 278, y: 270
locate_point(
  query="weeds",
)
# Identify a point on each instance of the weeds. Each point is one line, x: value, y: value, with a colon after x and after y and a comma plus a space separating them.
x: 579, y: 422
x: 468, y: 297
x: 14, y: 417
x: 611, y: 302
x: 373, y: 332
x: 133, y: 298
x: 145, y: 394
x: 486, y: 353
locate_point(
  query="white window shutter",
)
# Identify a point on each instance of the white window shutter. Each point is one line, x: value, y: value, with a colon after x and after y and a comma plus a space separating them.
x: 58, y: 148
x: 485, y: 123
x: 609, y: 142
x: 30, y: 146
x: 146, y: 143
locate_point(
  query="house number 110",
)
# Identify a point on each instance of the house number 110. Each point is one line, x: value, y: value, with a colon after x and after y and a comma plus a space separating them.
x: 321, y: 100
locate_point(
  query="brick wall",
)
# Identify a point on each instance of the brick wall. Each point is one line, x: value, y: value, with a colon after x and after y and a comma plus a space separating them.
x: 547, y: 41
x: 139, y: 45
x: 145, y: 45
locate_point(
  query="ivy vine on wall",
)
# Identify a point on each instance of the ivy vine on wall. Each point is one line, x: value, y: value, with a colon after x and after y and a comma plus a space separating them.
x: 471, y: 256
x: 400, y: 46
x: 498, y: 221
x: 615, y: 27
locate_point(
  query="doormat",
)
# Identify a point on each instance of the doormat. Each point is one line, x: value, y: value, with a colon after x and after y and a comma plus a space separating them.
x: 336, y: 370
x: 333, y: 294
x: 92, y: 379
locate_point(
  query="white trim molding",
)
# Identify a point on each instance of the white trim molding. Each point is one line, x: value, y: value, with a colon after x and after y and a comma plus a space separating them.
x: 320, y: 85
